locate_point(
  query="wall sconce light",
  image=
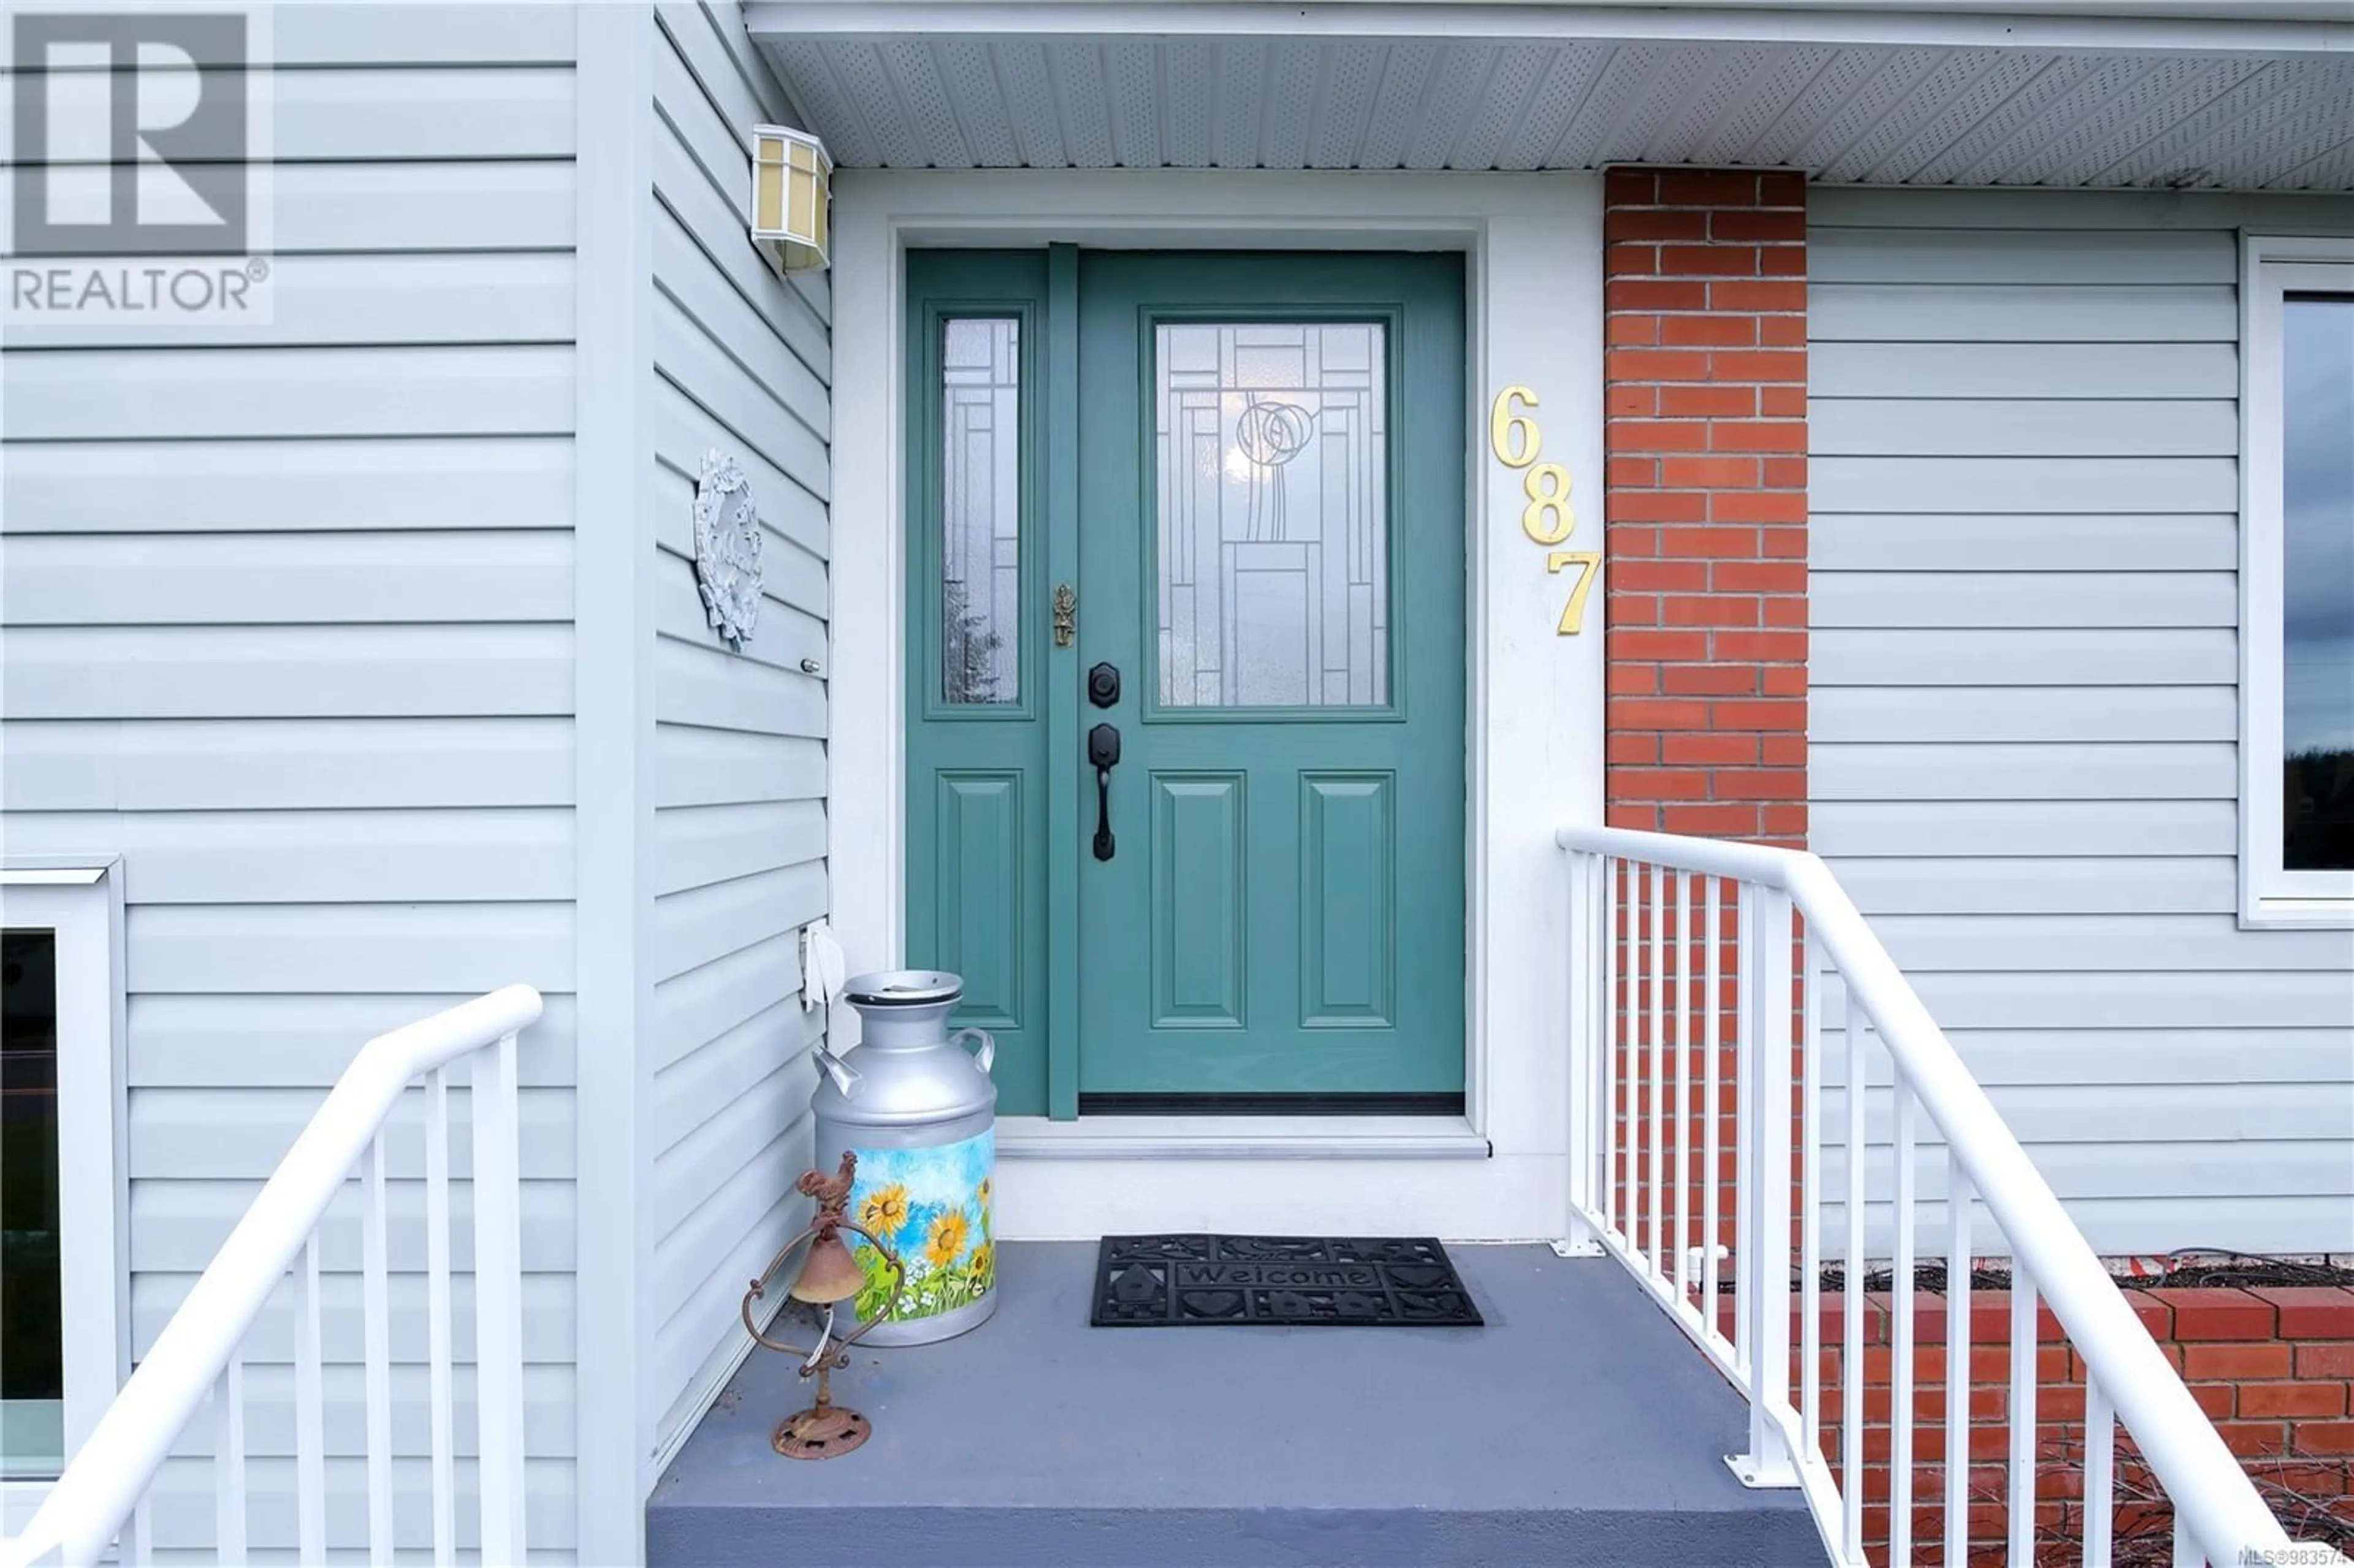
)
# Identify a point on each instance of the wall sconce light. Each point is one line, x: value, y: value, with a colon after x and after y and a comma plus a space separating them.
x: 791, y: 181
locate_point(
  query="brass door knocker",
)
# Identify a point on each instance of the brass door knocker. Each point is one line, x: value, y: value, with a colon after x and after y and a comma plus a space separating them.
x: 829, y: 1276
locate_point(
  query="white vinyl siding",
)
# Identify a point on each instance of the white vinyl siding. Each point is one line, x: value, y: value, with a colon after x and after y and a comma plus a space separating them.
x: 2024, y: 433
x: 285, y: 621
x: 741, y: 362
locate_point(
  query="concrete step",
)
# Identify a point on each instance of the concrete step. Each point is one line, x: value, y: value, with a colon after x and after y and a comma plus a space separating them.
x: 1579, y: 1427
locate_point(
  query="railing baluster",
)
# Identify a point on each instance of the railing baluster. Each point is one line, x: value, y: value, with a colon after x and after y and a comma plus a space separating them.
x: 1957, y: 1360
x: 2019, y: 1492
x: 309, y: 1412
x: 1643, y: 976
x: 1683, y: 1086
x: 1769, y: 1172
x: 1604, y: 1032
x: 1712, y: 1164
x: 1606, y: 1047
x: 1581, y: 1044
x: 1810, y: 1217
x: 1637, y: 1012
x: 1852, y: 1340
x: 229, y: 1462
x: 1900, y: 1376
x: 376, y: 1329
x: 2099, y: 1472
x: 1658, y: 1062
x: 1745, y: 1259
x: 498, y: 1303
x: 442, y: 1424
x: 1632, y: 1084
x: 2186, y: 1545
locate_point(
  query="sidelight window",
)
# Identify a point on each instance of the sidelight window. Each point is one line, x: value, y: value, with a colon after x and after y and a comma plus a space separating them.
x: 981, y: 510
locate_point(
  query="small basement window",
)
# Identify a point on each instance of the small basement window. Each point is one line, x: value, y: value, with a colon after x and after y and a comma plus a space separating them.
x: 61, y: 1344
x: 2297, y: 583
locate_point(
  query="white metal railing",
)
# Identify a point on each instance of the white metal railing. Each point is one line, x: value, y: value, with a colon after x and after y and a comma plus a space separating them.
x: 1648, y: 1015
x: 201, y: 1350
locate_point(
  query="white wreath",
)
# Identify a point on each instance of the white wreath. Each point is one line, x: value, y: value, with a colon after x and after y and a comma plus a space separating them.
x: 727, y: 548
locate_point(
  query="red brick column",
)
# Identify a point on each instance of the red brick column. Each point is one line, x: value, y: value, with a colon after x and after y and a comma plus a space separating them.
x: 1706, y: 300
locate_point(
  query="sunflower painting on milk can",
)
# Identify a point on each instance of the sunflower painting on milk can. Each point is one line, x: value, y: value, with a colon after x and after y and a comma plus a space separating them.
x: 932, y: 1207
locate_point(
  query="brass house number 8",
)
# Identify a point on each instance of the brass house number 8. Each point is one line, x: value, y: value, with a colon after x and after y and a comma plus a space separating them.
x: 1548, y: 518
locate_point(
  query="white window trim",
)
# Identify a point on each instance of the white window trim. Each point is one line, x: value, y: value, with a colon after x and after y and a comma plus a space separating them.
x: 81, y: 901
x: 2270, y: 894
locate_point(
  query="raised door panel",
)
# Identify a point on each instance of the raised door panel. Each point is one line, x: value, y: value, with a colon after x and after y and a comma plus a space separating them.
x: 977, y: 880
x: 1348, y: 911
x: 1200, y: 926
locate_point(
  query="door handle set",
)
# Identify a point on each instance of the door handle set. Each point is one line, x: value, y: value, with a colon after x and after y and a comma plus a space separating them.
x: 1103, y: 754
x: 1103, y: 751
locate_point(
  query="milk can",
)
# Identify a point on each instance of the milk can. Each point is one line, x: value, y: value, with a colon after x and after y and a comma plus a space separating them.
x: 921, y: 1116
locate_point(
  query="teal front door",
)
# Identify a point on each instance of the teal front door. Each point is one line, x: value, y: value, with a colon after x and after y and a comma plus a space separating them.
x: 1186, y: 740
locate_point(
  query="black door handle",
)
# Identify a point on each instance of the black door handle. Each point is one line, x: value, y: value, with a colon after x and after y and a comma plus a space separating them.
x: 1103, y: 752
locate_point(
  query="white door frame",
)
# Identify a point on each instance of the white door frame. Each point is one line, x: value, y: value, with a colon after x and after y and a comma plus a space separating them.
x: 1534, y: 711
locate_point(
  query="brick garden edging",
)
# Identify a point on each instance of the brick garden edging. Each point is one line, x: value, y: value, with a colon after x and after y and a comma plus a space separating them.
x: 2271, y: 1366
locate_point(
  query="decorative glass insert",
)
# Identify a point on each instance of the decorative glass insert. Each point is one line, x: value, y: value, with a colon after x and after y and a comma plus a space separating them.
x: 32, y: 1366
x: 981, y: 510
x: 1272, y: 469
x: 2317, y: 590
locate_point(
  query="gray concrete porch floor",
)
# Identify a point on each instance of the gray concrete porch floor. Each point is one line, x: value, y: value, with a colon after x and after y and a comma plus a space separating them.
x: 1579, y: 1427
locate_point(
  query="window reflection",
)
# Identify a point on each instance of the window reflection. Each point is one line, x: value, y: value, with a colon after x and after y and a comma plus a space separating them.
x: 32, y: 1379
x: 2318, y: 597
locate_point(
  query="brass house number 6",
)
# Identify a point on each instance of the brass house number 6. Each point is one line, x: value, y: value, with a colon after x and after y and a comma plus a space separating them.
x: 1548, y: 518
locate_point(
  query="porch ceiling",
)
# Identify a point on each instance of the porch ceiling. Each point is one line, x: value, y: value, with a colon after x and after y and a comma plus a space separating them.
x: 1935, y: 109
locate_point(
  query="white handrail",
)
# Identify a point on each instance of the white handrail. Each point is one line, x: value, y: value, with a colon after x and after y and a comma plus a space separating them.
x: 2211, y: 1495
x: 94, y: 1498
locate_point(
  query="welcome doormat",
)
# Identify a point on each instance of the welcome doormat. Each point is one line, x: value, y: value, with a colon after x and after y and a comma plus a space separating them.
x: 1180, y: 1281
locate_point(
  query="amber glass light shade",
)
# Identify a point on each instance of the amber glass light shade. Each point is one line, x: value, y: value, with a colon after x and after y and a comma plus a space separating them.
x: 791, y: 187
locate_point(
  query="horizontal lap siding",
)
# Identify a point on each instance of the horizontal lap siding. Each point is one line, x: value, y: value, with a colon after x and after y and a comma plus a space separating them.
x: 285, y: 617
x: 741, y: 362
x: 2025, y: 432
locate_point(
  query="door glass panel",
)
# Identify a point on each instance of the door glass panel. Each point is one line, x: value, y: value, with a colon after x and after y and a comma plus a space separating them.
x: 2317, y: 597
x: 32, y: 1380
x: 1272, y: 470
x: 981, y: 510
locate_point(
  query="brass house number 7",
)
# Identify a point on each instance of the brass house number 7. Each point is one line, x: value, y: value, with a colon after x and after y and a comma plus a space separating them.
x: 1548, y: 518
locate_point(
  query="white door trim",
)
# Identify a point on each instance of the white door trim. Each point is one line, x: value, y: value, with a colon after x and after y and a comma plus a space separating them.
x: 1534, y: 714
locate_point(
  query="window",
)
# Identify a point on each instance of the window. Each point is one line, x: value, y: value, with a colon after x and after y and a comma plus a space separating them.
x: 61, y: 1341
x: 981, y: 510
x: 2297, y: 583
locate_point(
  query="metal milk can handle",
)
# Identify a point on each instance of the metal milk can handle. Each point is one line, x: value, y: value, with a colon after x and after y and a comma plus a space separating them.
x: 988, y: 1052
x: 845, y: 1076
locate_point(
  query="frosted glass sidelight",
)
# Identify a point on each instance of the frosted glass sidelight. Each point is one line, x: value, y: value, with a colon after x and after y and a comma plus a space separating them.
x: 981, y: 510
x: 2318, y: 597
x: 1272, y: 467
